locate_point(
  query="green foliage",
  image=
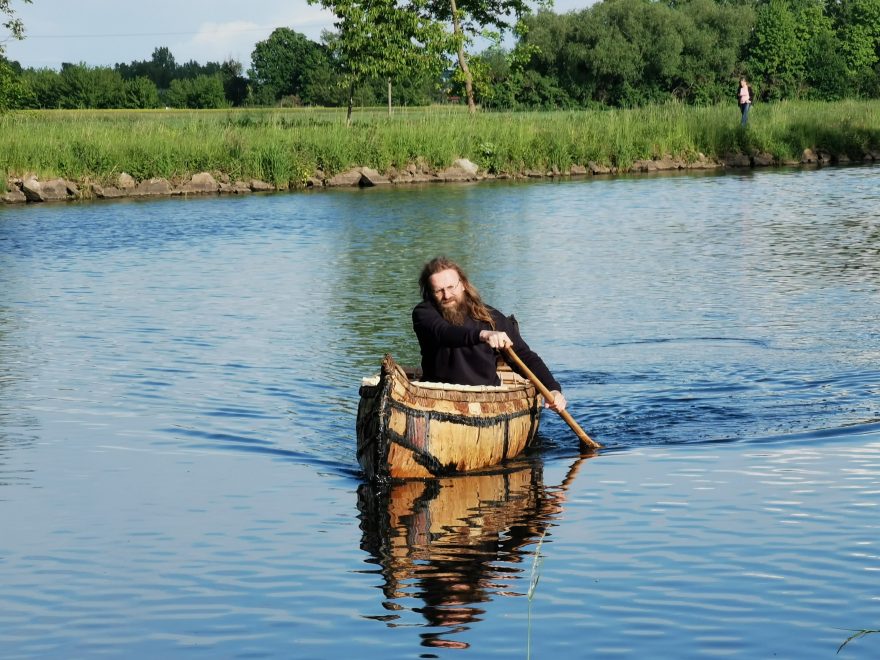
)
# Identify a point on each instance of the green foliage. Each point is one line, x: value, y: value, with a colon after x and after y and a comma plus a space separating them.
x: 78, y: 86
x: 12, y: 24
x: 283, y: 63
x: 377, y: 39
x: 13, y: 92
x: 615, y: 53
x: 161, y: 68
x: 627, y: 53
x: 632, y: 52
x: 470, y: 18
x: 235, y: 86
x: 280, y: 165
x: 197, y: 93
x: 141, y: 93
x: 857, y: 23
x: 713, y: 35
x: 778, y: 51
x: 827, y: 73
x: 43, y: 88
x: 86, y: 87
x: 81, y: 158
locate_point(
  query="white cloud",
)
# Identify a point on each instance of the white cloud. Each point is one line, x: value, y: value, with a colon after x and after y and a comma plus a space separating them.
x: 217, y: 42
x: 213, y: 33
x: 307, y: 18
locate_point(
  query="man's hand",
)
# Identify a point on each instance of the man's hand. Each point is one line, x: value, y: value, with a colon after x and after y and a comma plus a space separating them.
x: 558, y: 404
x: 496, y: 339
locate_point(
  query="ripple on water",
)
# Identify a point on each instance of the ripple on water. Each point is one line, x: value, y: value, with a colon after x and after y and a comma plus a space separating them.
x: 179, y: 385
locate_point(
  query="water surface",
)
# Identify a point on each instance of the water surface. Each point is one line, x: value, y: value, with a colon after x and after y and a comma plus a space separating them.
x: 178, y: 385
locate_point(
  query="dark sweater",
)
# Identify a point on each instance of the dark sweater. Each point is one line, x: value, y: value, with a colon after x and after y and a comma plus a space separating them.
x: 454, y: 354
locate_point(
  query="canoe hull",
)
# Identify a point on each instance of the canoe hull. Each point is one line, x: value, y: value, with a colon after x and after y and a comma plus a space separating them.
x: 408, y: 429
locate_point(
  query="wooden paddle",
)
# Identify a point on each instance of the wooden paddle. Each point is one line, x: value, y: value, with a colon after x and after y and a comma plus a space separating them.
x: 587, y: 440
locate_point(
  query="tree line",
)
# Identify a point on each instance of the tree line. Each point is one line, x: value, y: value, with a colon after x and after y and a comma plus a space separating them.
x: 626, y: 53
x: 618, y: 53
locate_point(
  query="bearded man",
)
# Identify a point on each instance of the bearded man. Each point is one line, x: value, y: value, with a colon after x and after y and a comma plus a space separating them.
x: 459, y: 334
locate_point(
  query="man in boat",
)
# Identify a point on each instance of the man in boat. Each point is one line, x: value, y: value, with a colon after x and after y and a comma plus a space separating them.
x: 459, y: 334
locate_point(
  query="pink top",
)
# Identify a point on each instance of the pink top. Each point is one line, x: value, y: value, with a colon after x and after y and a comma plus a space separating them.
x: 744, y: 94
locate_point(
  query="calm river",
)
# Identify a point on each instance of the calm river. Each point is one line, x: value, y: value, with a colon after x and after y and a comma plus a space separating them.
x: 179, y: 382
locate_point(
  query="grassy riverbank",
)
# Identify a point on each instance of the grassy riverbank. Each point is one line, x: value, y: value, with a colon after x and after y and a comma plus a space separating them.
x: 286, y: 146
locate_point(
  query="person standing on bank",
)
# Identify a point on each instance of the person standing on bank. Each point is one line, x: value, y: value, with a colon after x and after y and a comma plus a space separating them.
x: 459, y: 334
x: 744, y: 96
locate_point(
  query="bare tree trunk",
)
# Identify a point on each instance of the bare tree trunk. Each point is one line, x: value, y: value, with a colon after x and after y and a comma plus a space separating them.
x: 350, y: 104
x: 462, y: 60
x: 389, y: 97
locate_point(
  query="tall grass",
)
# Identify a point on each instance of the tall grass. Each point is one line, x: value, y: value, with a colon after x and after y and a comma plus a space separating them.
x: 534, y: 578
x: 856, y: 635
x: 286, y: 146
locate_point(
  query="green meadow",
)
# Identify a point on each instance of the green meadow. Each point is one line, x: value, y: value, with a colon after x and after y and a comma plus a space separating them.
x: 287, y: 146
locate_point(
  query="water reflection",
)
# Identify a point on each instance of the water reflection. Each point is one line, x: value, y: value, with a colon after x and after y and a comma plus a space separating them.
x: 384, y: 251
x: 455, y: 543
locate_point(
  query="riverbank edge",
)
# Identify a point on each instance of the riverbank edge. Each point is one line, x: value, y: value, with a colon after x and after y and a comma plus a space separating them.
x: 29, y: 189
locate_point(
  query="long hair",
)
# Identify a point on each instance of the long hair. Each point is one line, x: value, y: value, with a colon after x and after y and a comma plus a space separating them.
x: 474, y: 305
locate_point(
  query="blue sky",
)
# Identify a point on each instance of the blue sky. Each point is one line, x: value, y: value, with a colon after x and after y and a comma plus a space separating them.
x: 104, y: 32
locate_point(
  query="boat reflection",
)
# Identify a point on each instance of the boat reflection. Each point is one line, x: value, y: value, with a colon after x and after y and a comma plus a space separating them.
x: 457, y: 542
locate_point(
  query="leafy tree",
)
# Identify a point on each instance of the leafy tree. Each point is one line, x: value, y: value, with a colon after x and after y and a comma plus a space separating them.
x: 828, y: 75
x: 618, y: 52
x: 557, y: 46
x: 502, y: 79
x: 140, y: 93
x: 321, y: 82
x: 379, y: 39
x: 12, y: 24
x: 43, y: 88
x: 13, y: 91
x: 198, y: 93
x: 468, y: 19
x: 86, y: 87
x: 235, y: 85
x: 75, y: 86
x: 11, y: 88
x: 419, y: 88
x: 629, y: 52
x: 857, y: 23
x: 491, y: 73
x: 193, y: 69
x: 778, y: 53
x: 714, y: 36
x: 160, y: 68
x: 535, y: 90
x: 279, y: 65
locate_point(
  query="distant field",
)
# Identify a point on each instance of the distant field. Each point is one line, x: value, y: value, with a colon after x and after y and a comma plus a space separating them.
x: 286, y: 146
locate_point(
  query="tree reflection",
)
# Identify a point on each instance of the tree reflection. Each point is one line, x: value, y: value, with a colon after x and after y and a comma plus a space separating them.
x: 457, y: 542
